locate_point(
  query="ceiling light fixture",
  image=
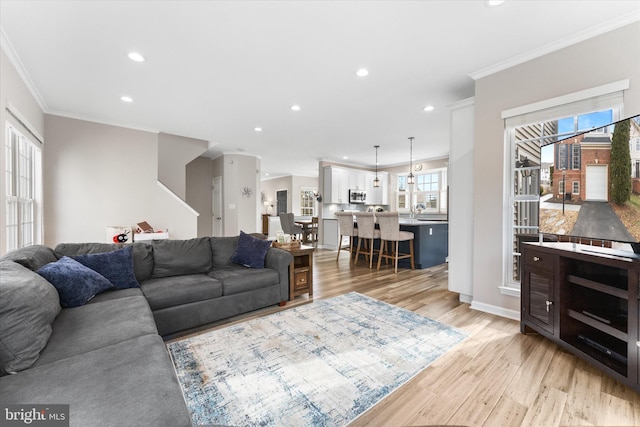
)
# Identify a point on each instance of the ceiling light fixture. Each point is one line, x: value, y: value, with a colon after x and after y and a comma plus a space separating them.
x: 410, y: 178
x: 126, y: 98
x: 295, y: 107
x: 258, y: 129
x: 429, y: 108
x: 494, y: 3
x: 376, y: 181
x: 135, y: 56
x: 362, y: 72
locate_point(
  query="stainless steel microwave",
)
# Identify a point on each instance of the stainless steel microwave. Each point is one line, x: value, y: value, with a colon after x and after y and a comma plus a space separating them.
x: 357, y: 196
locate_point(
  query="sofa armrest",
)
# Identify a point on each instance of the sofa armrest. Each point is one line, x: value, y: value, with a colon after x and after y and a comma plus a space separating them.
x: 280, y: 260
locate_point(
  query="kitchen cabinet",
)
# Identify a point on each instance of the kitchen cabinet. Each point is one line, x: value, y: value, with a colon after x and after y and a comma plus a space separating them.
x: 356, y: 180
x: 336, y: 185
x: 379, y: 195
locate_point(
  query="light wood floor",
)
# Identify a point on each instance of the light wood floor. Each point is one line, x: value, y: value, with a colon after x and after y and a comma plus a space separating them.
x: 496, y: 377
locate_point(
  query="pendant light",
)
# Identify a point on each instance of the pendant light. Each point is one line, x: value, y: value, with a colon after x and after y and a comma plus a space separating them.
x: 410, y: 178
x: 376, y: 181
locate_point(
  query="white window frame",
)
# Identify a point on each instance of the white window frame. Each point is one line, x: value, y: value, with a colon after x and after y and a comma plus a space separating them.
x: 575, y: 188
x: 23, y: 190
x: 575, y: 156
x: 413, y: 196
x: 307, y: 201
x: 608, y: 96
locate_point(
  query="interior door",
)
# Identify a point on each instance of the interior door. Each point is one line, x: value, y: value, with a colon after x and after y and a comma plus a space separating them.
x: 281, y: 202
x: 216, y: 207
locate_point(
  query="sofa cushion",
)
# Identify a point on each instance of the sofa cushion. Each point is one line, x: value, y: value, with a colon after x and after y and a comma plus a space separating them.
x: 114, y: 293
x: 142, y: 254
x: 179, y: 257
x: 164, y: 292
x: 83, y: 329
x: 29, y: 305
x: 116, y: 266
x: 236, y: 279
x: 76, y: 284
x: 222, y: 248
x: 33, y: 257
x: 250, y: 251
x: 131, y: 383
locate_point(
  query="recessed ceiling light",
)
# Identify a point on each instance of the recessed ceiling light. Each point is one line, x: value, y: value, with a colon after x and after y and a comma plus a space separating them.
x: 266, y: 174
x: 362, y: 72
x: 135, y: 56
x: 126, y: 99
x: 429, y: 108
x: 258, y: 129
x: 493, y: 3
x: 344, y: 157
x: 295, y: 107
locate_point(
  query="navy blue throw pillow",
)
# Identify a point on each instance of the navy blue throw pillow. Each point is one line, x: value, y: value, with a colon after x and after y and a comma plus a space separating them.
x: 250, y: 251
x: 76, y: 284
x: 116, y: 266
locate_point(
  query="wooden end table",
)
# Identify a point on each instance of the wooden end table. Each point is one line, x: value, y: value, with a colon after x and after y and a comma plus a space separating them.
x: 300, y: 271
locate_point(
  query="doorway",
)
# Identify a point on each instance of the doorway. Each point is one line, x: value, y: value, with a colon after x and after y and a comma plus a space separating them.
x: 216, y: 208
x: 281, y: 202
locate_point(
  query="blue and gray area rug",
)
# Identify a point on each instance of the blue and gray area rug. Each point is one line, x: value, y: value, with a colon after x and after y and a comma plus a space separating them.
x: 320, y: 364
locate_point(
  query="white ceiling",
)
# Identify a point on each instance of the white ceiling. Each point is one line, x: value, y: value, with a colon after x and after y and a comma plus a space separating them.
x: 217, y: 69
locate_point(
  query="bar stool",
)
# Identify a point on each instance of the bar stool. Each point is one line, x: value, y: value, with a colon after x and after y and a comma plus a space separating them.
x: 390, y: 232
x: 367, y: 233
x: 345, y: 222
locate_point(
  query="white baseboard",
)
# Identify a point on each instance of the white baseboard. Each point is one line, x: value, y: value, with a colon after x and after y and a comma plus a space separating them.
x: 498, y: 311
x: 467, y: 299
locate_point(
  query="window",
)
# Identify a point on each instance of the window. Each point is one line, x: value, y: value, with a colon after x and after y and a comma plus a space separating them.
x: 22, y: 191
x: 428, y: 195
x: 562, y: 157
x: 307, y: 202
x: 575, y: 156
x: 525, y: 185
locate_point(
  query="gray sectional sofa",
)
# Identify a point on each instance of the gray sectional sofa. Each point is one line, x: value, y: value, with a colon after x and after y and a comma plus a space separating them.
x: 106, y: 358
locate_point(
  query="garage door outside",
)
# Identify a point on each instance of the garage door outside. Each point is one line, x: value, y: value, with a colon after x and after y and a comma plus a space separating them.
x: 596, y: 183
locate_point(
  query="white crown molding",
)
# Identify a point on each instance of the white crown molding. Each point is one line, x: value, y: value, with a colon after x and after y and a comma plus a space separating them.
x: 101, y: 122
x: 8, y: 49
x: 578, y: 37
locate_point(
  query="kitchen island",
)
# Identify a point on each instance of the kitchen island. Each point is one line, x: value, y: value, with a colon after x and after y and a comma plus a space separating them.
x: 430, y: 245
x: 430, y: 242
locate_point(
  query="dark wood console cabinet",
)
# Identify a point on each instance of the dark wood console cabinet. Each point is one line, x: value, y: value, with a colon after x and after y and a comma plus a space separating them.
x: 587, y: 301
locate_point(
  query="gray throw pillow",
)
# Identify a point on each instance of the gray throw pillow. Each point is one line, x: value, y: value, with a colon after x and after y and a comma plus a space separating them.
x: 29, y: 306
x: 33, y: 257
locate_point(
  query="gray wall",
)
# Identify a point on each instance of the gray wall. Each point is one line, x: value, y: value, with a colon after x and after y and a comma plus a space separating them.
x: 604, y: 59
x: 199, y: 183
x: 98, y: 175
x: 174, y: 152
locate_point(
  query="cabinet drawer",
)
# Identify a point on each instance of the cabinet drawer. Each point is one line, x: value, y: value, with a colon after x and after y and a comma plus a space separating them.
x: 537, y: 259
x: 301, y: 277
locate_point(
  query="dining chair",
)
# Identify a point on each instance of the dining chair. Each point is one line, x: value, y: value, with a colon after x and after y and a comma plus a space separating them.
x: 367, y: 233
x: 287, y: 221
x: 345, y: 223
x: 390, y: 233
x: 314, y: 229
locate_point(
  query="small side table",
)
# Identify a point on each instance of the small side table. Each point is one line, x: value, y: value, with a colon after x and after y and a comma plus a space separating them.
x: 300, y: 271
